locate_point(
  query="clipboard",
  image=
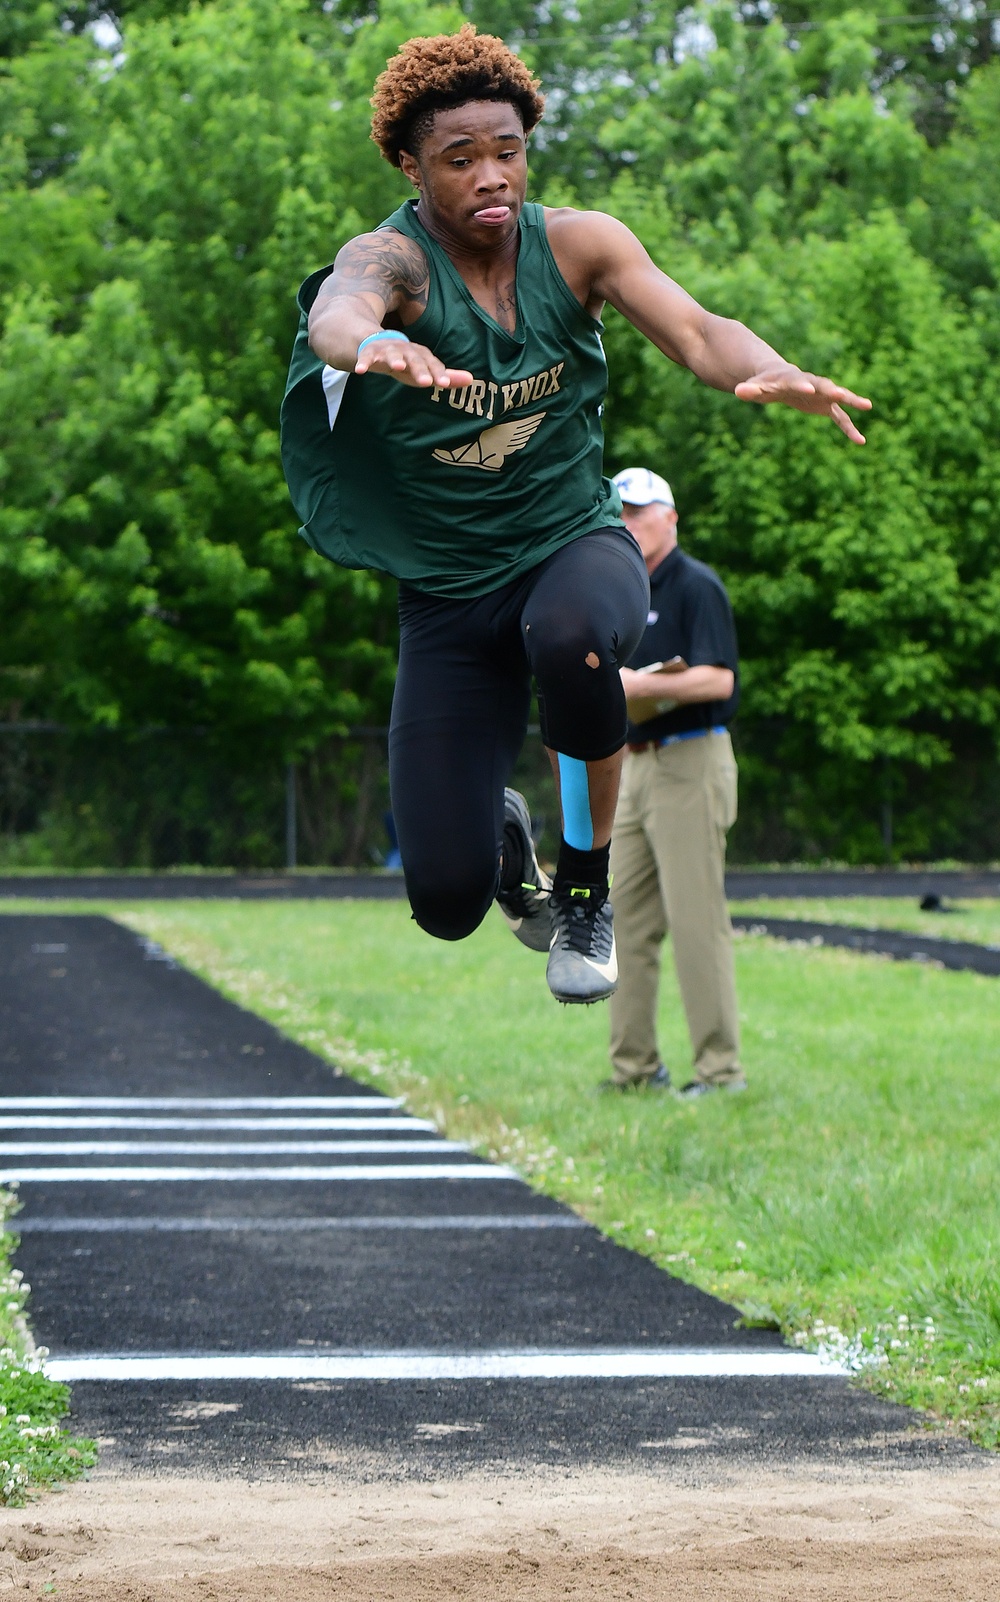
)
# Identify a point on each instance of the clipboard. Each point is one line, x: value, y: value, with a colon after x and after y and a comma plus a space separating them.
x: 642, y: 711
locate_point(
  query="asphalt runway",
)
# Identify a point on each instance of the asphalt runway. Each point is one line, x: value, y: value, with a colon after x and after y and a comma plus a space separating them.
x: 958, y: 955
x: 321, y: 885
x: 246, y: 1263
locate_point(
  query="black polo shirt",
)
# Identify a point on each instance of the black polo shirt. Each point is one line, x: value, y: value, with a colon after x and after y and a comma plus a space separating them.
x: 689, y: 616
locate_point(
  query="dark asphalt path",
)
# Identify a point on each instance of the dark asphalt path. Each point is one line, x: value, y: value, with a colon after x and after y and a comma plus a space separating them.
x: 740, y: 884
x: 127, y: 1073
x: 204, y: 886
x: 959, y: 955
x: 419, y: 1430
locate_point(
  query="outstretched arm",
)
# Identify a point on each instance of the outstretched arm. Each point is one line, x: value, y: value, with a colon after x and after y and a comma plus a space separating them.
x: 378, y: 279
x: 720, y: 351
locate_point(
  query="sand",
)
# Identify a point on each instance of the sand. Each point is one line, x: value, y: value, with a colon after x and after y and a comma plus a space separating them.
x: 815, y: 1535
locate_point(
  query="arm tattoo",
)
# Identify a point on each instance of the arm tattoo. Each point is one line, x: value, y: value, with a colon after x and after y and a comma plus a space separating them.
x: 385, y: 266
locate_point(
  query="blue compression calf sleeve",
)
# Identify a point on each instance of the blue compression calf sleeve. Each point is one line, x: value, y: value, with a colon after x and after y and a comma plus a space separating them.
x: 578, y: 825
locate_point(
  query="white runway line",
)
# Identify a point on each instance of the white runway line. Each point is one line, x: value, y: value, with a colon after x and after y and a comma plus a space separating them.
x: 87, y: 1121
x: 710, y: 1363
x: 378, y: 1172
x: 216, y: 1148
x: 256, y: 1226
x: 206, y: 1103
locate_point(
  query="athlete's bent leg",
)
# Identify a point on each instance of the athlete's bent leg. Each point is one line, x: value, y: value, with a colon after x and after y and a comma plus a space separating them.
x: 584, y: 617
x: 459, y: 715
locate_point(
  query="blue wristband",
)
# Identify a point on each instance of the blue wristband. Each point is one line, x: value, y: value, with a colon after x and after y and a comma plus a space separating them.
x: 383, y: 333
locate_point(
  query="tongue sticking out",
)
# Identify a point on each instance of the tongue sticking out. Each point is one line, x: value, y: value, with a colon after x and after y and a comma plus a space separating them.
x: 493, y: 214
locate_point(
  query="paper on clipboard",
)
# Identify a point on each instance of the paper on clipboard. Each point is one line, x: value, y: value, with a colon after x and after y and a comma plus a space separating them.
x: 676, y: 664
x: 640, y: 711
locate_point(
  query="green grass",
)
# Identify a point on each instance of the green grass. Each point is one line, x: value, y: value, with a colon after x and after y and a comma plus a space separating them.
x: 971, y: 920
x: 35, y: 1450
x: 853, y: 1193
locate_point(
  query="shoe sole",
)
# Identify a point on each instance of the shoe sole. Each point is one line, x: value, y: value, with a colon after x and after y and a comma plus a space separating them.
x: 583, y: 1001
x: 521, y: 927
x: 699, y: 1095
x: 633, y: 1087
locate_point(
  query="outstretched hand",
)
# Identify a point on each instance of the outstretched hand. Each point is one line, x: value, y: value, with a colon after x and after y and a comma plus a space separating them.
x: 790, y: 386
x: 410, y: 364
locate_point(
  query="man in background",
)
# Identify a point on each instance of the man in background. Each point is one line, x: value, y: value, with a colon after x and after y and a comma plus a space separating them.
x: 677, y: 802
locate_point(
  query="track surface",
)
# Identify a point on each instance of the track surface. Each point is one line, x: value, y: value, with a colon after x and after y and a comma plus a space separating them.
x: 904, y: 882
x: 471, y: 1264
x: 959, y: 955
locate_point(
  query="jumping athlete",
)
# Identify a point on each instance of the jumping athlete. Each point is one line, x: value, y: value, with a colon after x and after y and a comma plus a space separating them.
x: 442, y: 424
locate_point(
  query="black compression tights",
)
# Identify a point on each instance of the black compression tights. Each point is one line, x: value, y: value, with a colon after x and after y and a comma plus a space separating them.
x: 460, y: 710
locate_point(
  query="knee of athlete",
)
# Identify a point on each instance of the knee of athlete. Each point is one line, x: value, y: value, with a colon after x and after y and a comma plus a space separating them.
x: 573, y: 649
x: 450, y: 912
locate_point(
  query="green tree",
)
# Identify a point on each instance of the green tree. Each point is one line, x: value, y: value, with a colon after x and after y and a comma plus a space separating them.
x: 160, y: 202
x: 151, y: 569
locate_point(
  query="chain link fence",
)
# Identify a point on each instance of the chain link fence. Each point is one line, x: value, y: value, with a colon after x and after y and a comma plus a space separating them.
x: 165, y: 798
x: 169, y: 798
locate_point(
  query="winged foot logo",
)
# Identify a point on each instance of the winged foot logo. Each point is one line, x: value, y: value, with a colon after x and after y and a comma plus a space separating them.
x: 483, y: 398
x: 493, y: 445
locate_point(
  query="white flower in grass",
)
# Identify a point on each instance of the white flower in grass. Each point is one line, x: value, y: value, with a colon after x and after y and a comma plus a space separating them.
x: 833, y: 1346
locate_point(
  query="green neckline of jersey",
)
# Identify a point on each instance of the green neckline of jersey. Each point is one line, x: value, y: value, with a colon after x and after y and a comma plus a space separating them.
x: 519, y: 336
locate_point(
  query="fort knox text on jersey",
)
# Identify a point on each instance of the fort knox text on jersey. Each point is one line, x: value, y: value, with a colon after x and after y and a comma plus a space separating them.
x: 456, y: 491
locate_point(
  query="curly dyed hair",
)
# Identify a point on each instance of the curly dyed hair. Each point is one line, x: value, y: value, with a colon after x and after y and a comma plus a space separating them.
x: 430, y: 75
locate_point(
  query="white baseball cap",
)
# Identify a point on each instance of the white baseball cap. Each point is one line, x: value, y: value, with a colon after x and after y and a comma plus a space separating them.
x: 637, y: 486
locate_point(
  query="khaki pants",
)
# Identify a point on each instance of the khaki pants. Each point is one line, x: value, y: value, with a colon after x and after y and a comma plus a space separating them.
x: 668, y: 856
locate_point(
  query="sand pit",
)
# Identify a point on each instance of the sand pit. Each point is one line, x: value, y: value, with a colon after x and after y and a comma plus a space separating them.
x: 814, y: 1534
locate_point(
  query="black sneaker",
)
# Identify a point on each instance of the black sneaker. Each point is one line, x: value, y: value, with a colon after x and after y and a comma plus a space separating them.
x: 660, y: 1080
x: 583, y: 964
x: 525, y: 892
x: 699, y: 1087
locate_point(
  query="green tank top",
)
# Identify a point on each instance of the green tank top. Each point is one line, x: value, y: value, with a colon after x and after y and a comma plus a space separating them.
x: 457, y: 491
